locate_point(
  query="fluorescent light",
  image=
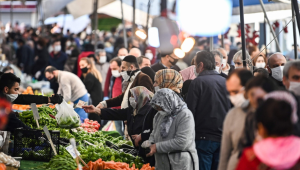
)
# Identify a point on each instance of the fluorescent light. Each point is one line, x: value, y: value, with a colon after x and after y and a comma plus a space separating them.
x: 141, y: 34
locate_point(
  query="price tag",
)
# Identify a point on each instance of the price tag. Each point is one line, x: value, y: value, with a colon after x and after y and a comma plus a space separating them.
x: 49, y: 138
x: 89, y: 143
x: 71, y: 151
x: 35, y: 111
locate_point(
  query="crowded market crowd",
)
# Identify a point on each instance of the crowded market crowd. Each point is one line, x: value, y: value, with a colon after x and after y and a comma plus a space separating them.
x: 202, y: 112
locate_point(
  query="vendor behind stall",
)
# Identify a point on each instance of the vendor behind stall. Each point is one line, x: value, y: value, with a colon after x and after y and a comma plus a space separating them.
x: 9, y: 88
x: 70, y: 86
x: 135, y: 115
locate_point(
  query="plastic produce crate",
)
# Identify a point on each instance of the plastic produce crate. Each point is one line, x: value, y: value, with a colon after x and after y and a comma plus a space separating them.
x: 34, y: 144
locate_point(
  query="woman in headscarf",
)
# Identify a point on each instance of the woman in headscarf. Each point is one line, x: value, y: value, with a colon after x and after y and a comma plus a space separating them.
x: 173, y: 131
x: 134, y: 115
x: 168, y: 78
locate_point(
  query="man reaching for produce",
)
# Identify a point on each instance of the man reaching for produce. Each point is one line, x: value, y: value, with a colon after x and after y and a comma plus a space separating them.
x: 9, y: 88
x: 70, y: 86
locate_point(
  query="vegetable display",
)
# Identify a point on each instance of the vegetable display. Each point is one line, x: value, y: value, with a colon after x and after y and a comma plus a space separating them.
x: 45, y: 118
x: 101, y: 165
x: 8, y: 160
x: 100, y: 150
x: 90, y: 125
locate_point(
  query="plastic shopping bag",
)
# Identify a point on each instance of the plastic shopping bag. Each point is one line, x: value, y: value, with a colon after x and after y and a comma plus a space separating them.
x: 66, y: 116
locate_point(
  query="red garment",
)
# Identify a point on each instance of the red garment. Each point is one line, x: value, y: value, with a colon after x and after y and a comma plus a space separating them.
x: 153, y: 50
x: 249, y: 161
x: 107, y: 82
x: 117, y: 89
x: 82, y: 55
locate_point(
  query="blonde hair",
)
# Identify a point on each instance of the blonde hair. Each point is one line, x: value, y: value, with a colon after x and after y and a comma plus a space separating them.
x: 93, y: 69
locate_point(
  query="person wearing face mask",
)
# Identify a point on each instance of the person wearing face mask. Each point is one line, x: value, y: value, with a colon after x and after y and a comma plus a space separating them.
x: 275, y: 66
x: 121, y: 54
x: 149, y: 55
x: 238, y: 60
x: 291, y: 81
x: 260, y: 61
x: 57, y: 58
x: 238, y: 129
x: 135, y: 115
x: 92, y: 81
x: 168, y: 61
x: 207, y: 100
x: 173, y: 134
x: 42, y: 59
x: 101, y: 64
x: 70, y: 87
x: 219, y: 62
x: 132, y: 77
x: 88, y: 50
x: 9, y: 89
x: 226, y: 68
x: 276, y: 147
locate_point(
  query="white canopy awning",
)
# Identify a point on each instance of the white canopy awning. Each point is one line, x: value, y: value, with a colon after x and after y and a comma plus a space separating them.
x: 83, y: 7
x: 52, y: 7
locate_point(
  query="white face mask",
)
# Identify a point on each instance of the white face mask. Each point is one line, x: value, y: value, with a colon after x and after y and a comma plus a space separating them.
x: 224, y: 63
x: 57, y: 48
x: 237, y: 100
x: 163, y: 113
x: 196, y: 74
x: 149, y: 55
x: 156, y: 88
x: 68, y: 43
x: 103, y: 59
x: 115, y: 73
x: 295, y: 87
x: 277, y: 73
x: 125, y: 75
x: 68, y: 52
x: 122, y: 57
x: 217, y: 69
x: 132, y: 102
x: 260, y: 65
x: 12, y: 97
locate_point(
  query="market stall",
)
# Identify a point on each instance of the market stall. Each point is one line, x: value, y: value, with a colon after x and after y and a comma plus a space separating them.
x: 40, y: 149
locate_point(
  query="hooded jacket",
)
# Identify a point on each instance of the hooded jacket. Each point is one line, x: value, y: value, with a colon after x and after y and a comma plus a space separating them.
x: 282, y: 153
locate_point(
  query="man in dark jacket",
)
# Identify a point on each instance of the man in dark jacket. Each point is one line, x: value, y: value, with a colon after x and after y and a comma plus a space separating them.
x: 132, y: 77
x: 276, y: 63
x: 291, y: 81
x: 207, y: 99
x: 168, y: 61
x: 25, y: 56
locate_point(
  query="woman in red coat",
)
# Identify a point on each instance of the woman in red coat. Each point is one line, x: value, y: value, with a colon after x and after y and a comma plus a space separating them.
x: 278, y: 149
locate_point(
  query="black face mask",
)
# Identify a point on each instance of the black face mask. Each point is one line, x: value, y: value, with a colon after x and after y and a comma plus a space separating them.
x: 84, y: 70
x: 53, y: 80
x: 173, y: 62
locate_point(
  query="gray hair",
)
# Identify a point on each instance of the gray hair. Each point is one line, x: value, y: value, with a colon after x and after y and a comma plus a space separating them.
x: 239, y: 55
x: 288, y: 65
x: 217, y: 53
x: 277, y: 53
x: 99, y: 51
